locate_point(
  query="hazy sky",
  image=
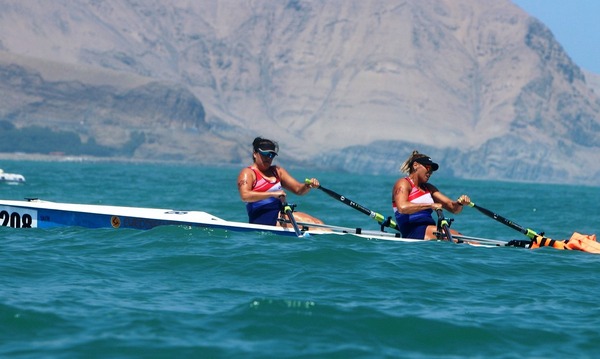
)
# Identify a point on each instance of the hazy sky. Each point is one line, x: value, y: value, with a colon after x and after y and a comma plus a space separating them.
x: 574, y: 23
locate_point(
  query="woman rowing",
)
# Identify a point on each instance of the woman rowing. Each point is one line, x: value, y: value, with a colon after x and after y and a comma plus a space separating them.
x: 261, y: 186
x: 414, y: 199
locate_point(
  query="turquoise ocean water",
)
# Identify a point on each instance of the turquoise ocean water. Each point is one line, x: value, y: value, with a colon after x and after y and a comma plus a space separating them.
x: 175, y: 292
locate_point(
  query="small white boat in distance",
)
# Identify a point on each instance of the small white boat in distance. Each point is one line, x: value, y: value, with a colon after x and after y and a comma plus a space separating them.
x: 11, y: 177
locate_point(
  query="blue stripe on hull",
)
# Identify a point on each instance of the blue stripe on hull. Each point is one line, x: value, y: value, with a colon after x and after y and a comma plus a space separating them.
x: 56, y: 218
x: 48, y: 218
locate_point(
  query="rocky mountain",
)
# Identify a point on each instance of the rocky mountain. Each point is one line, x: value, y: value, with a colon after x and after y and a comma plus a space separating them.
x: 350, y: 85
x: 593, y: 80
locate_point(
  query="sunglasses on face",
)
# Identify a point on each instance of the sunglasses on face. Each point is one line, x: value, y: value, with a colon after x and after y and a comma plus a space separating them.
x: 268, y: 154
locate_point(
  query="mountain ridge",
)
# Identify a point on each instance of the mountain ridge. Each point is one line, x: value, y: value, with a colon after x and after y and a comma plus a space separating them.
x: 476, y: 82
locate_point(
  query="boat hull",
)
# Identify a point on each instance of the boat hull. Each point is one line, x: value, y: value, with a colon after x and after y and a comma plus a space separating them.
x: 35, y: 213
x: 11, y: 177
x: 44, y: 214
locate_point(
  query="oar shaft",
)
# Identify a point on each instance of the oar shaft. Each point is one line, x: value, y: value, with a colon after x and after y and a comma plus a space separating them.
x: 444, y: 224
x: 287, y: 209
x: 526, y: 231
x: 347, y: 201
x: 377, y: 216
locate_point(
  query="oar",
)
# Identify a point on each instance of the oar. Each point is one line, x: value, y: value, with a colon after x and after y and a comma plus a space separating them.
x: 526, y: 231
x: 443, y: 222
x: 376, y: 216
x: 287, y: 209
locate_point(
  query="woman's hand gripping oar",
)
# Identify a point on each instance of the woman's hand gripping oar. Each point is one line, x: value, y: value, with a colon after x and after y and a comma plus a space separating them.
x: 384, y: 222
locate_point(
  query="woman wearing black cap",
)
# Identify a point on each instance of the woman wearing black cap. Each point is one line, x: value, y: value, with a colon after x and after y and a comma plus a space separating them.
x: 261, y: 186
x: 414, y: 199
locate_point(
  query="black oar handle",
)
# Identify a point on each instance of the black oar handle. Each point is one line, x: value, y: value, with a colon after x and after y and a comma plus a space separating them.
x: 347, y: 201
x: 526, y: 231
x: 377, y: 216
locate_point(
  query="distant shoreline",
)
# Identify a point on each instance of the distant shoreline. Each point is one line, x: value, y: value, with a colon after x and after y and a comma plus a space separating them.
x: 64, y: 158
x: 73, y: 158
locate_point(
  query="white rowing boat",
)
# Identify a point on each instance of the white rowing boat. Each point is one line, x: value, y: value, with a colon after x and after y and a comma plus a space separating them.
x: 35, y: 213
x: 11, y: 177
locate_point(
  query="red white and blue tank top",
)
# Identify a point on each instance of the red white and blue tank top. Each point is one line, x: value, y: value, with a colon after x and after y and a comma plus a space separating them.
x: 261, y: 184
x: 265, y: 211
x: 414, y: 225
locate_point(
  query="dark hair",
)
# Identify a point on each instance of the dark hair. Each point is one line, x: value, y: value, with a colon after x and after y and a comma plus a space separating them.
x: 264, y: 144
